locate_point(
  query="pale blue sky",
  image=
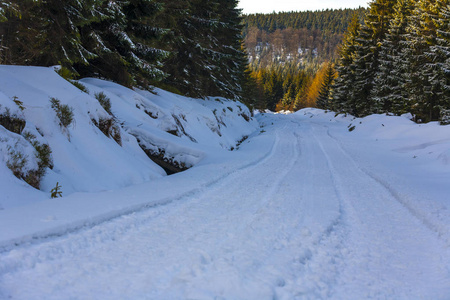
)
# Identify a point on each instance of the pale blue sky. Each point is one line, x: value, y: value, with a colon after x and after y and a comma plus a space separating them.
x: 268, y: 6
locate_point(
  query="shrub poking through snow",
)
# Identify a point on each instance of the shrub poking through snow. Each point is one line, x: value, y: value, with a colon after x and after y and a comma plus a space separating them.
x: 109, y: 128
x: 16, y: 162
x: 63, y: 111
x: 104, y: 101
x: 65, y: 73
x: 43, y: 152
x: 30, y: 170
x: 80, y: 86
x: 244, y: 115
x: 18, y: 103
x: 56, y: 191
x: 10, y: 121
x: 69, y: 76
x: 20, y: 158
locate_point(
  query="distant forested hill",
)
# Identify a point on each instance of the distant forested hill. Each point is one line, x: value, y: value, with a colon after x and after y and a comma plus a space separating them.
x: 291, y: 54
x: 305, y: 39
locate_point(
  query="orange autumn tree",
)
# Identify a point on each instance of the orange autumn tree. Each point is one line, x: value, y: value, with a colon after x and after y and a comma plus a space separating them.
x: 307, y: 97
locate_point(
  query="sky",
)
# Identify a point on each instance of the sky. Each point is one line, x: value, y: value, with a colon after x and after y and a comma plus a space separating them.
x: 268, y: 6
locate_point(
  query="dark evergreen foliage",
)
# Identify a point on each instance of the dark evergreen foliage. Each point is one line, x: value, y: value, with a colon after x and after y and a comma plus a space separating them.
x: 192, y: 47
x: 398, y: 66
x: 440, y: 54
x: 205, y: 43
x: 47, y: 32
x: 123, y: 41
x: 323, y: 101
x: 422, y: 90
x: 388, y: 92
x: 342, y: 88
x: 327, y: 21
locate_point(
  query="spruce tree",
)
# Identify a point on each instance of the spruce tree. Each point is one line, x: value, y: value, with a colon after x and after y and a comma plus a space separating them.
x: 58, y: 24
x: 366, y: 63
x: 232, y: 61
x: 145, y: 56
x: 9, y: 11
x: 343, y: 84
x: 421, y: 86
x: 325, y: 90
x: 205, y: 44
x: 250, y: 94
x: 108, y: 39
x: 388, y: 92
x: 47, y: 32
x: 124, y: 41
x: 273, y: 89
x: 441, y: 62
x: 191, y: 41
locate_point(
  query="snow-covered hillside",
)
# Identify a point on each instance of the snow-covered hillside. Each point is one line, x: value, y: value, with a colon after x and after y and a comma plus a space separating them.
x: 311, y: 206
x: 102, y: 148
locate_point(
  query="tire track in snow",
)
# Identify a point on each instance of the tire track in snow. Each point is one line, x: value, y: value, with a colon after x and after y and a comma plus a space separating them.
x: 152, y: 210
x: 84, y: 224
x: 228, y: 255
x: 438, y: 229
x: 377, y: 223
x: 56, y: 248
x: 318, y: 267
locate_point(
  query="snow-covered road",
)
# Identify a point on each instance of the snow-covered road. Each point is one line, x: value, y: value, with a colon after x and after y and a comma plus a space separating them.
x: 309, y: 220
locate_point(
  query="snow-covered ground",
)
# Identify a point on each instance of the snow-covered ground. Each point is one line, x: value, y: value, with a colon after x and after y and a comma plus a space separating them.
x: 311, y: 206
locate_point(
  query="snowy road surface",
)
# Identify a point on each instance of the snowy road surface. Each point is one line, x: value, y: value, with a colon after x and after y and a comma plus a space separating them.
x: 309, y: 220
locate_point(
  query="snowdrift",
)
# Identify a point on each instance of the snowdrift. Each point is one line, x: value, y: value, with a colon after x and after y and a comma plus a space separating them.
x: 100, y: 138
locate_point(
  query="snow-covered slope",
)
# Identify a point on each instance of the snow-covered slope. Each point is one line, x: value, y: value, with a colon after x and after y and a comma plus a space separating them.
x: 308, y: 208
x: 102, y: 150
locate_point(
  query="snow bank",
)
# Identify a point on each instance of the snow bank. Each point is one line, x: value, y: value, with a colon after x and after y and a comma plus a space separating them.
x: 428, y: 143
x: 103, y: 150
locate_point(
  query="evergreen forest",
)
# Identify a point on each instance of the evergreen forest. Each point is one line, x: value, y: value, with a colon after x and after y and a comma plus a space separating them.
x: 191, y: 47
x: 397, y: 61
x: 393, y: 57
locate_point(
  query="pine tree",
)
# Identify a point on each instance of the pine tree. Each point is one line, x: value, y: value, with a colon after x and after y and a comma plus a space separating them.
x: 8, y: 10
x: 191, y: 41
x: 108, y: 39
x: 273, y: 89
x: 47, y: 32
x: 388, y: 92
x: 343, y: 84
x: 261, y: 99
x: 250, y: 95
x: 229, y: 61
x: 300, y: 98
x: 289, y: 92
x: 205, y: 43
x: 58, y: 24
x: 441, y: 62
x: 421, y: 86
x: 366, y: 63
x: 144, y: 56
x: 325, y: 90
x: 123, y: 41
x: 232, y: 46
